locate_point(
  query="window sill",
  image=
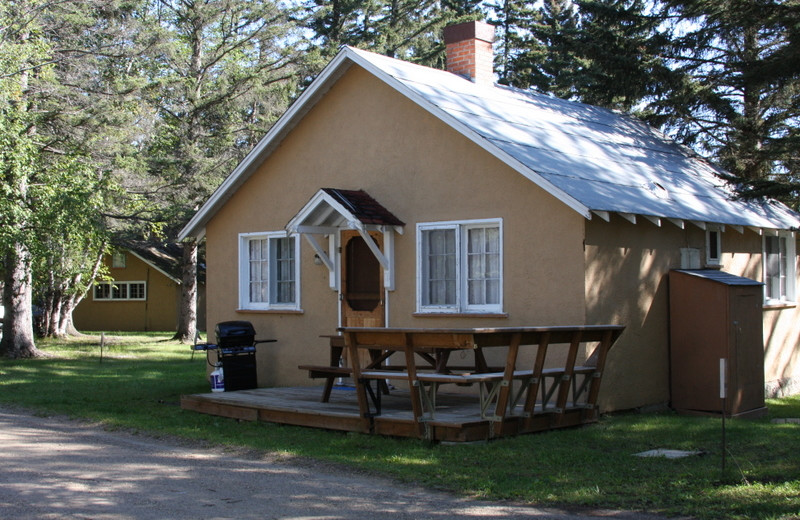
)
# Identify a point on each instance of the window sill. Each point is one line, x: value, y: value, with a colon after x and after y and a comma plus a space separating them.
x: 460, y: 315
x: 270, y: 311
x: 779, y: 305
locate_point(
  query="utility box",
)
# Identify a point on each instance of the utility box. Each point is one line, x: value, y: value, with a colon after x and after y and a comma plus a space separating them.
x: 716, y: 315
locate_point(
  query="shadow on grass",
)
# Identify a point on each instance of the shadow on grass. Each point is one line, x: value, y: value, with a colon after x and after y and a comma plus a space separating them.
x: 589, y: 466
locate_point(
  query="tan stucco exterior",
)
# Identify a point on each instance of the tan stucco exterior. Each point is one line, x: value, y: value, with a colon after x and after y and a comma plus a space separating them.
x: 627, y: 282
x: 363, y: 135
x: 559, y: 268
x: 159, y: 312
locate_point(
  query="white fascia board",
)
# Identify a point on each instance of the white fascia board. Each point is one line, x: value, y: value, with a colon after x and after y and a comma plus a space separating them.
x: 298, y: 221
x: 134, y: 253
x: 470, y: 134
x: 334, y: 69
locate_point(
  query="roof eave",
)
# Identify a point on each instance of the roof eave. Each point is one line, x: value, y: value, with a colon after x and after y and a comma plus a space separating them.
x: 335, y: 69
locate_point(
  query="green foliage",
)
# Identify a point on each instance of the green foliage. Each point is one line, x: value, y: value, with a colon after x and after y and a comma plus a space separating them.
x: 405, y: 29
x: 738, y: 102
x: 620, y: 47
x: 138, y: 383
x: 513, y: 47
x: 221, y: 73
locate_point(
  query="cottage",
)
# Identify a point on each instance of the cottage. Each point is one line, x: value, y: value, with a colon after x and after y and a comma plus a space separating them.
x: 392, y: 194
x: 143, y: 294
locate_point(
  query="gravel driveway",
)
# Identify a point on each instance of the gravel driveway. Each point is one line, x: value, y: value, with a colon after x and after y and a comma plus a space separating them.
x: 57, y: 468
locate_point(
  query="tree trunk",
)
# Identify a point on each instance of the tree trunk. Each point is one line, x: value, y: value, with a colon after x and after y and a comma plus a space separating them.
x: 17, y: 339
x: 65, y: 325
x: 187, y: 319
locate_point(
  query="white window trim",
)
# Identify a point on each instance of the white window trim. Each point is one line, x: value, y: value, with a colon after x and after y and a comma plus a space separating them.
x: 244, y: 273
x: 462, y: 306
x: 791, y: 269
x: 111, y: 292
x: 711, y: 261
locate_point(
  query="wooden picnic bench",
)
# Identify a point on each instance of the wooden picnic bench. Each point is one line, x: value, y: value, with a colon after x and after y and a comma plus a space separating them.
x: 334, y: 370
x: 540, y: 390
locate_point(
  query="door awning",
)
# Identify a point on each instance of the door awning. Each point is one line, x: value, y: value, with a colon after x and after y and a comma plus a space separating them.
x: 332, y: 210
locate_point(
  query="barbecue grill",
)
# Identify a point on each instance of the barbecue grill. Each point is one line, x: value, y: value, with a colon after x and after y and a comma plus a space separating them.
x: 236, y: 352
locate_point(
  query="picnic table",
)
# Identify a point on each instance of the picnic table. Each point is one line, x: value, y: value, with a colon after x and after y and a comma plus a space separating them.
x: 427, y: 366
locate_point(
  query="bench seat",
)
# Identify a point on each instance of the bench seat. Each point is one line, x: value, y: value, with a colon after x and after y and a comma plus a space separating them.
x: 384, y: 374
x: 324, y: 371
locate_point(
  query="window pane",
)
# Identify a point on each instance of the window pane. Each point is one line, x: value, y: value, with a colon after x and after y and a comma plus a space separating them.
x: 284, y: 270
x: 713, y: 245
x: 137, y: 291
x: 439, y: 259
x: 259, y: 274
x: 483, y: 266
x: 120, y: 291
x: 102, y: 291
x: 775, y: 262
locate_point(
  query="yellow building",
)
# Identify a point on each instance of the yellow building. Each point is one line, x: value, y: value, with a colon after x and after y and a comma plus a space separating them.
x: 397, y: 195
x: 143, y: 294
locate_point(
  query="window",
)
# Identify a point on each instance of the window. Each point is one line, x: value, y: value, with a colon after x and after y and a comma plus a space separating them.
x: 779, y: 269
x: 713, y: 246
x: 460, y: 266
x: 268, y: 271
x: 119, y: 260
x: 120, y: 291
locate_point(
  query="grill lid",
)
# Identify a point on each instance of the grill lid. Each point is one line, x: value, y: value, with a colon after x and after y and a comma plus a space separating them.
x: 235, y: 334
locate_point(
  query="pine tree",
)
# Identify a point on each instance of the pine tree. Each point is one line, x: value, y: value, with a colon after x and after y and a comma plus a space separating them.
x: 619, y: 48
x: 543, y: 54
x: 224, y: 72
x: 739, y: 101
x: 511, y: 17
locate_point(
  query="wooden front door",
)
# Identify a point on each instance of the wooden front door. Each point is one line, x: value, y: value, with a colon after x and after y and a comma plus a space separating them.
x: 362, y: 282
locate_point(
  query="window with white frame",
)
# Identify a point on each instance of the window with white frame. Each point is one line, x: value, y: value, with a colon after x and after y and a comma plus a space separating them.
x: 268, y: 271
x: 459, y: 266
x: 119, y: 260
x: 779, y: 269
x: 713, y: 246
x: 120, y: 291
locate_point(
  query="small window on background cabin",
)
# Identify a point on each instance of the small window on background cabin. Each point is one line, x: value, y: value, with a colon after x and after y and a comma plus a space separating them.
x: 119, y: 260
x: 713, y: 247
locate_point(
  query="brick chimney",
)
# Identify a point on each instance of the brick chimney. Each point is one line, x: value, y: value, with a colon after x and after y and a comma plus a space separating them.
x: 469, y: 51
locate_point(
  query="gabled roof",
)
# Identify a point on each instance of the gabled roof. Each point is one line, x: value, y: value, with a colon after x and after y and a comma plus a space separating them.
x: 363, y: 207
x: 594, y: 160
x: 163, y: 257
x: 333, y: 208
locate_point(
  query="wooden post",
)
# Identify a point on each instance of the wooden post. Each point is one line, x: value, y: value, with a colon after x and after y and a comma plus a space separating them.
x: 505, y: 388
x: 536, y: 380
x: 413, y: 388
x: 361, y: 393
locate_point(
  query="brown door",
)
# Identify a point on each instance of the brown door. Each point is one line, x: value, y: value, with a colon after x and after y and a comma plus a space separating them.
x: 362, y: 282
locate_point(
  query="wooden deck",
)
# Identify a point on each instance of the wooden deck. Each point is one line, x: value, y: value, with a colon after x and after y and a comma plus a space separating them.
x: 457, y: 417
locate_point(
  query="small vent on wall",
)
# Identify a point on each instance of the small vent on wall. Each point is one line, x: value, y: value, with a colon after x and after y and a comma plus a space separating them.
x: 690, y: 258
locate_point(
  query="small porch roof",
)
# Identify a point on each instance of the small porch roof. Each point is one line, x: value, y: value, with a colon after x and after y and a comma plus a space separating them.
x: 331, y: 210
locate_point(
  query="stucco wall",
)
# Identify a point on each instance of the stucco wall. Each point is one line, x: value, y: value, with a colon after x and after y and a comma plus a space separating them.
x: 743, y: 257
x: 157, y: 313
x: 364, y: 135
x: 627, y: 283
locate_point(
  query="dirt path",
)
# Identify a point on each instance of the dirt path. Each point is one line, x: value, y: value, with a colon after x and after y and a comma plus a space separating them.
x: 57, y: 468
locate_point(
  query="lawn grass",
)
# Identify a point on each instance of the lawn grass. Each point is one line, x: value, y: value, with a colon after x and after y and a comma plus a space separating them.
x: 139, y: 380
